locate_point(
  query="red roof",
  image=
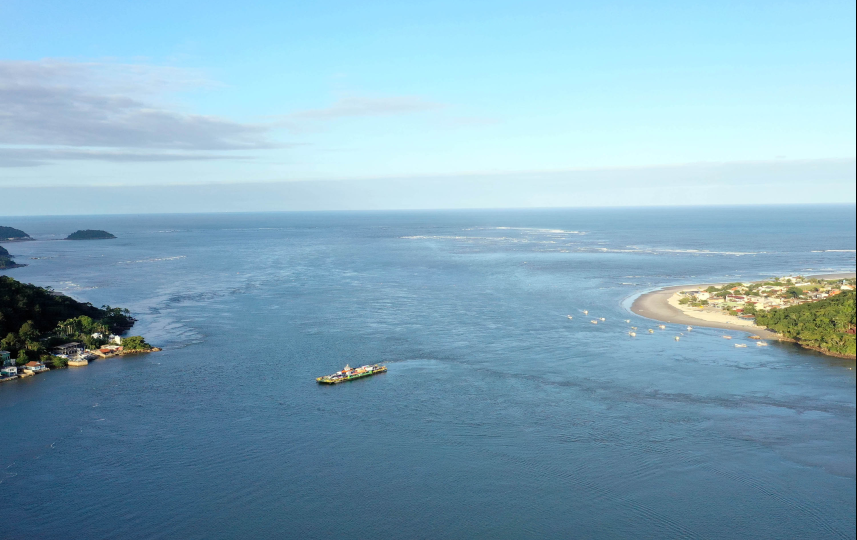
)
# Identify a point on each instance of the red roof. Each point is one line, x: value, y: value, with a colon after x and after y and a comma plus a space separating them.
x: 32, y: 363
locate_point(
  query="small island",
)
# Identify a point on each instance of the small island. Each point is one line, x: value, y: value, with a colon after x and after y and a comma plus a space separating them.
x: 90, y: 234
x: 815, y: 312
x: 11, y: 234
x: 46, y: 330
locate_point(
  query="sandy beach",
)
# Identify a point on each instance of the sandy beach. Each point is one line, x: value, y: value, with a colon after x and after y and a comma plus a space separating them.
x: 662, y: 305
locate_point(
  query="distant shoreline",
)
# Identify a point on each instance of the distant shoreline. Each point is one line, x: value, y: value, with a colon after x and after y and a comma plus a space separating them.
x: 655, y: 305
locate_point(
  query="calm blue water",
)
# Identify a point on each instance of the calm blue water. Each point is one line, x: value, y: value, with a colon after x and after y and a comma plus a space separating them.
x: 499, y: 417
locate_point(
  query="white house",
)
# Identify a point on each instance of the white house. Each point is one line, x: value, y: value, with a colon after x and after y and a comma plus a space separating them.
x: 35, y: 366
x: 9, y: 371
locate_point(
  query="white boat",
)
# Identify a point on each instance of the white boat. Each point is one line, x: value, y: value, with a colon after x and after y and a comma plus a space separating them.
x: 676, y: 338
x: 740, y: 345
x: 633, y: 328
x: 632, y: 334
x: 689, y: 328
x: 570, y: 317
x: 727, y: 337
x: 651, y: 331
x: 761, y: 344
x: 593, y: 321
x: 603, y: 319
x: 586, y: 312
x: 662, y: 327
x: 628, y: 321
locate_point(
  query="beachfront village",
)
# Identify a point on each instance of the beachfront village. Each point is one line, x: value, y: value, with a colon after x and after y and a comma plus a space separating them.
x: 745, y: 299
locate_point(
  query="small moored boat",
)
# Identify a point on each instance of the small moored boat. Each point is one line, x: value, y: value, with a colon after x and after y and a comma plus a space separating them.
x: 740, y: 345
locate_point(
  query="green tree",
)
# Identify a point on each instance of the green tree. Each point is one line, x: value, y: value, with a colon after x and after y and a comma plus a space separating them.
x: 53, y: 361
x: 794, y: 292
x: 135, y: 343
x: 24, y: 356
x: 28, y: 331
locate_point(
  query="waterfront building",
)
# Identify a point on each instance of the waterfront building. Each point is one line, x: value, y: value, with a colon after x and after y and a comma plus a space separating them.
x: 35, y: 366
x: 68, y: 349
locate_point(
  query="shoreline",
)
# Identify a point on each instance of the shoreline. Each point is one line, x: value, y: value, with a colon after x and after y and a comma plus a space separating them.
x: 656, y: 305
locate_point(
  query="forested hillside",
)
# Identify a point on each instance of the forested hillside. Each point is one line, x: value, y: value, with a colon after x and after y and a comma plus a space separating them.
x: 30, y: 314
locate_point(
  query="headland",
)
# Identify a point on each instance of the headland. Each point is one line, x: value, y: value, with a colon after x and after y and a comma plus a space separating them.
x: 731, y: 306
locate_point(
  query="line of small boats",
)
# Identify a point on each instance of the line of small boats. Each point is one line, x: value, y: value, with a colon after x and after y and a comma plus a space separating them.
x: 633, y: 331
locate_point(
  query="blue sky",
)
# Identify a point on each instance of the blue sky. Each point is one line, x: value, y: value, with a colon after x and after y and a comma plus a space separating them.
x: 160, y: 94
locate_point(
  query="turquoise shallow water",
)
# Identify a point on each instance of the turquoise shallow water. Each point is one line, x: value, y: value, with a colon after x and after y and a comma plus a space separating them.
x: 499, y: 417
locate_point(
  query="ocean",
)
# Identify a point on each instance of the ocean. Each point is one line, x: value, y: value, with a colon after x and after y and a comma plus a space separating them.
x: 499, y: 417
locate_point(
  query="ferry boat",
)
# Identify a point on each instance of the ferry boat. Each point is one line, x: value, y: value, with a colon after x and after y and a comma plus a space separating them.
x: 349, y: 373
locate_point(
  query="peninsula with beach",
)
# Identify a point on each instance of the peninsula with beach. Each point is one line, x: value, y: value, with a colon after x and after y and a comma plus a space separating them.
x: 817, y: 312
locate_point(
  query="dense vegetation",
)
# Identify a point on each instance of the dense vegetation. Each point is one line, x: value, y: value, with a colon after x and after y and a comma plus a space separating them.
x: 135, y: 343
x: 827, y: 324
x: 34, y: 319
x: 11, y: 233
x: 90, y: 234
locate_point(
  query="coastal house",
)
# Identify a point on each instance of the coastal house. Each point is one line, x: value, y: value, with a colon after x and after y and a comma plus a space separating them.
x: 68, y: 349
x: 5, y: 358
x: 97, y: 335
x: 9, y: 371
x: 35, y: 366
x: 115, y: 339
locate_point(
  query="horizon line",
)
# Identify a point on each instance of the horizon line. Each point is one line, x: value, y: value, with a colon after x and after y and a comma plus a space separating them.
x: 416, y: 210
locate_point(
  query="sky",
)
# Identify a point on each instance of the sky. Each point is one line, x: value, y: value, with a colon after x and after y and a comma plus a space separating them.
x: 329, y: 105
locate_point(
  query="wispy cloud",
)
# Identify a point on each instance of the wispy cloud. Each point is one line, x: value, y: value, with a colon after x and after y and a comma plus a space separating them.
x: 31, y: 157
x: 89, y: 107
x: 355, y: 107
x: 368, y: 106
